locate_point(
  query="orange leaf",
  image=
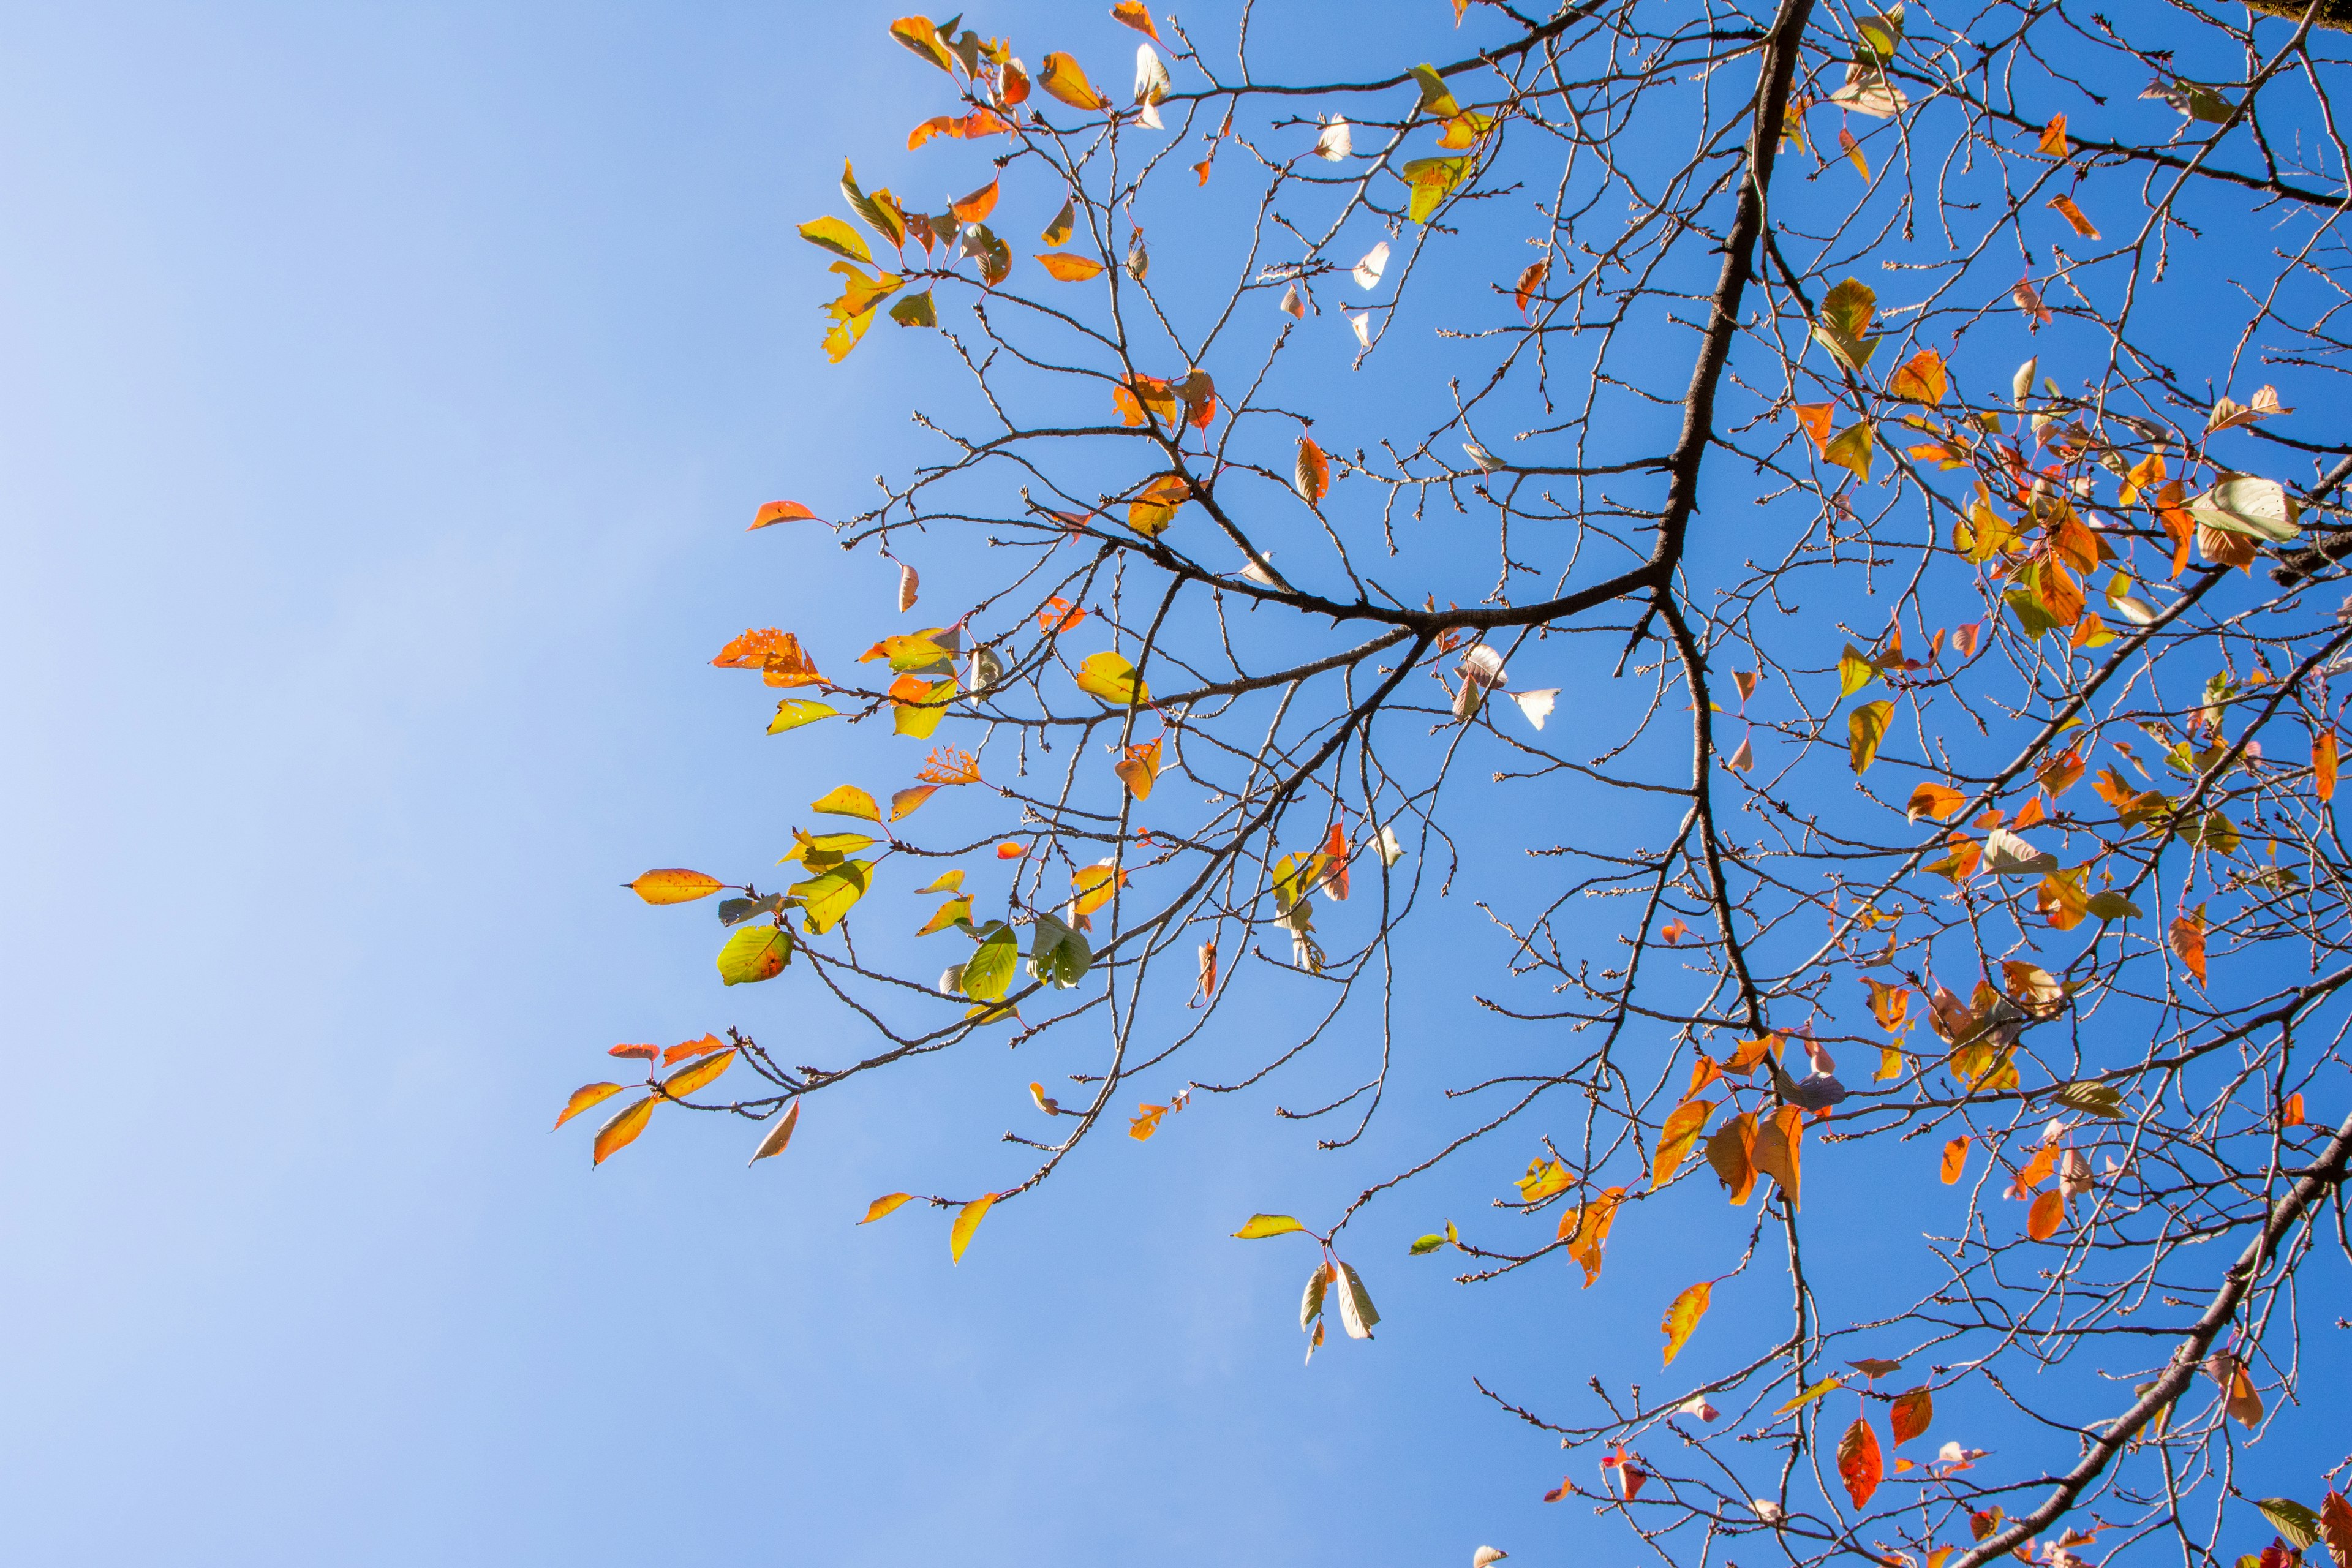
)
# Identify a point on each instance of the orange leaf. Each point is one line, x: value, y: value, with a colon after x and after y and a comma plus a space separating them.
x: 2189, y: 941
x: 1135, y: 15
x: 2290, y: 1112
x: 1067, y: 269
x: 1062, y: 76
x: 1732, y: 1153
x: 904, y: 803
x: 2323, y: 765
x: 1529, y: 281
x: 948, y: 766
x: 1141, y: 770
x: 2073, y: 214
x: 977, y: 206
x: 686, y: 1079
x: 1673, y: 933
x: 1858, y: 1462
x: 1938, y: 801
x: 782, y: 511
x: 622, y: 1130
x: 675, y: 885
x: 2053, y: 137
x: 1310, y: 476
x: 1920, y: 380
x: 702, y: 1046
x: 2335, y: 1528
x: 883, y: 1204
x: 1059, y: 616
x: 2049, y: 1210
x: 1749, y: 1053
x: 639, y: 1053
x: 1815, y: 419
x: 1911, y: 1413
x: 1335, y: 865
x: 1956, y: 1160
x: 777, y: 654
x: 1011, y: 849
x: 1704, y: 1072
x: 1683, y: 1315
x: 1677, y: 1138
x: 1585, y: 1231
x: 585, y: 1096
x: 1146, y: 1122
x: 1777, y: 1142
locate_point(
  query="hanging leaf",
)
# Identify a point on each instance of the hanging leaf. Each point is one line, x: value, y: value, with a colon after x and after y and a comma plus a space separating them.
x: 1934, y: 800
x: 1523, y: 292
x: 1433, y: 180
x: 794, y: 712
x: 967, y: 1220
x: 1858, y: 1462
x: 1110, y: 677
x: 1911, y: 1413
x: 916, y: 310
x: 988, y: 973
x: 686, y: 1079
x: 1141, y: 769
x: 1865, y: 728
x: 1920, y: 379
x: 848, y: 800
x: 585, y: 1096
x: 948, y: 915
x: 1310, y: 476
x: 973, y: 209
x: 675, y: 885
x: 904, y: 803
x: 1956, y: 1160
x: 1060, y: 75
x: 1067, y: 269
x: 880, y: 211
x: 918, y: 33
x: 1676, y: 1139
x: 1826, y: 1385
x: 1683, y: 1315
x: 2189, y: 941
x: 755, y: 953
x: 622, y: 1129
x: 1436, y: 99
x: 2323, y: 765
x: 1778, y: 1144
x: 1846, y: 317
x: 1357, y: 1314
x: 1156, y: 505
x: 2252, y: 509
x: 777, y: 512
x: 1732, y: 1153
x: 1260, y: 1225
x: 884, y: 1204
x: 2053, y: 137
x: 1851, y: 449
x: 780, y: 1136
x: 2048, y: 1211
x: 2065, y: 208
x: 2297, y: 1525
x: 1367, y: 272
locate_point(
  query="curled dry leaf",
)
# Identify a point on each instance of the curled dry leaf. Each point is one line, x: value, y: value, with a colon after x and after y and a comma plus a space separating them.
x: 1335, y: 139
x: 779, y: 1137
x: 1367, y: 272
x: 1292, y: 305
x: 909, y: 583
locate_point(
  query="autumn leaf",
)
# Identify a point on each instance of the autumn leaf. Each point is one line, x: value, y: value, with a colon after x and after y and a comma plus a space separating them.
x: 1311, y: 474
x: 777, y: 512
x: 2066, y: 209
x: 1067, y: 269
x: 1920, y: 379
x: 847, y: 800
x: 2053, y: 137
x: 1911, y: 1413
x: 1155, y: 506
x: 1683, y: 1315
x: 2335, y: 1528
x: 686, y: 1079
x: 1110, y: 677
x: 755, y: 953
x: 1858, y: 1462
x: 1677, y: 1138
x: 2048, y: 1211
x: 1141, y: 769
x: 1585, y: 1231
x: 702, y: 1046
x: 918, y: 33
x: 967, y: 1220
x: 794, y: 712
x: 2189, y: 941
x: 1827, y: 1386
x: 832, y: 234
x: 585, y: 1096
x: 1260, y: 1225
x: 1357, y: 1314
x: 1956, y: 1160
x: 1778, y: 1144
x: 623, y: 1128
x: 1732, y: 1153
x: 1523, y: 292
x: 884, y: 1204
x: 1851, y: 449
x: 1865, y: 728
x: 675, y: 885
x: 1814, y: 420
x: 1060, y: 75
x: 1934, y: 800
x: 1135, y: 15
x: 2323, y: 765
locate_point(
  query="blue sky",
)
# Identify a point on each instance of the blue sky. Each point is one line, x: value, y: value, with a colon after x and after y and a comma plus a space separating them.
x: 386, y: 390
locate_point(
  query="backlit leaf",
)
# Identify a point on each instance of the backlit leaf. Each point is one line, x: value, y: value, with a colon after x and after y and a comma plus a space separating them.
x: 686, y: 1079
x: 1826, y: 1385
x: 847, y: 800
x: 1865, y: 728
x: 585, y: 1096
x: 1357, y: 1314
x: 977, y: 206
x: 2189, y: 941
x: 1956, y: 1160
x: 967, y: 1220
x: 623, y: 1128
x: 1677, y: 1139
x: 918, y: 711
x: 918, y: 33
x: 1310, y: 476
x: 1851, y: 449
x: 1060, y: 75
x: 1779, y: 1144
x: 825, y: 900
x: 883, y: 1204
x: 1135, y: 15
x: 2066, y: 209
x: 2048, y: 1212
x: 755, y: 953
x: 1109, y: 677
x: 916, y: 310
x: 1260, y: 1225
x: 777, y: 512
x: 1732, y: 1153
x: 780, y: 1136
x: 1858, y: 1462
x: 1433, y: 180
x: 1911, y: 1413
x: 954, y: 909
x: 988, y: 972
x: 1141, y: 769
x: 1155, y: 506
x: 794, y: 712
x: 1920, y: 379
x: 2323, y: 765
x: 1683, y: 1315
x: 832, y: 234
x: 1938, y: 801
x: 675, y: 885
x: 1067, y: 269
x: 2297, y: 1525
x: 1436, y: 99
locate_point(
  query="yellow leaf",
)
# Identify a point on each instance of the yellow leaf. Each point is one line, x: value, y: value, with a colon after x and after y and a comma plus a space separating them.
x: 1155, y: 506
x: 1851, y: 449
x: 822, y: 851
x: 2053, y: 137
x: 1260, y: 1225
x: 622, y: 1130
x: 1890, y: 1064
x: 1921, y: 379
x: 945, y: 882
x: 1585, y: 1230
x: 832, y: 234
x: 1060, y: 75
x: 1112, y: 678
x: 754, y: 953
x: 919, y: 716
x: 1855, y: 672
x: 1311, y: 475
x: 1683, y: 1315
x: 1141, y: 770
x: 1433, y: 180
x: 905, y: 802
x: 686, y: 1079
x: 1676, y: 1140
x: 675, y: 885
x: 826, y: 898
x: 909, y: 652
x: 1064, y: 268
x: 954, y: 909
x: 883, y: 1204
x: 1093, y: 886
x: 779, y: 1137
x: 585, y: 1096
x: 794, y: 712
x: 918, y: 33
x: 1826, y: 1385
x: 1059, y: 231
x: 1865, y: 728
x: 1544, y: 1178
x: 967, y: 1220
x: 1938, y: 801
x: 1436, y: 98
x: 847, y: 800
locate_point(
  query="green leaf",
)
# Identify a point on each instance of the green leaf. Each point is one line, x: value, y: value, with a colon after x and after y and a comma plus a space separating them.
x: 996, y: 257
x: 2258, y: 509
x: 825, y: 900
x: 921, y: 716
x: 2112, y: 906
x: 1426, y: 1244
x: 988, y: 972
x: 2026, y: 605
x: 1865, y: 728
x: 1058, y: 955
x: 2102, y: 1099
x: 1436, y: 98
x: 915, y: 311
x: 2297, y: 1524
x: 1846, y: 317
x: 879, y: 210
x: 794, y: 712
x: 832, y: 234
x: 755, y: 953
x: 1849, y: 449
x: 1261, y: 1225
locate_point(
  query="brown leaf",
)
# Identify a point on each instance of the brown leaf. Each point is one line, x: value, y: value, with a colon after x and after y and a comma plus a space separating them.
x: 2189, y: 941
x: 2073, y: 214
x: 909, y: 584
x: 1777, y: 1142
x: 1732, y: 1153
x: 2335, y: 1528
x: 1529, y: 281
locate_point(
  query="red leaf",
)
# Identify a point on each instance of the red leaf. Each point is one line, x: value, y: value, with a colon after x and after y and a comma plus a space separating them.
x: 1858, y: 1462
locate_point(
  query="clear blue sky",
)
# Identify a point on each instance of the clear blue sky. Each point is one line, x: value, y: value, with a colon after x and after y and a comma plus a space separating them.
x: 383, y: 391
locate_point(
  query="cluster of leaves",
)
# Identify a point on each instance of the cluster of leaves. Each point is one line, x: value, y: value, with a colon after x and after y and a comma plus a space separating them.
x: 2075, y: 817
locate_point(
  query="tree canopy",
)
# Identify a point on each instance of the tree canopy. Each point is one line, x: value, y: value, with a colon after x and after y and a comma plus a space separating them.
x: 1854, y: 504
